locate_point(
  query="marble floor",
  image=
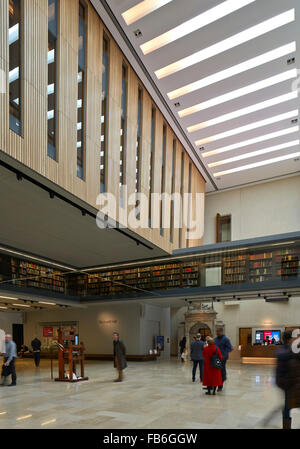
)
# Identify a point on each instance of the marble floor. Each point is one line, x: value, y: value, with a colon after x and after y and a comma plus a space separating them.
x: 154, y: 395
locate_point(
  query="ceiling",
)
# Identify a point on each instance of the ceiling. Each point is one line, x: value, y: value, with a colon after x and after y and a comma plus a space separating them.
x: 259, y: 134
x: 55, y: 230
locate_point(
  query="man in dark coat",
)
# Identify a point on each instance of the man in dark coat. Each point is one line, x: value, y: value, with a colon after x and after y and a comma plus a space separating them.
x: 197, y: 356
x: 223, y: 343
x: 36, y: 346
x: 288, y: 377
x: 119, y: 356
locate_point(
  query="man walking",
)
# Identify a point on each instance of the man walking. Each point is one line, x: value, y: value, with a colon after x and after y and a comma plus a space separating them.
x: 223, y: 343
x: 9, y: 361
x: 119, y: 356
x: 36, y: 347
x: 197, y: 356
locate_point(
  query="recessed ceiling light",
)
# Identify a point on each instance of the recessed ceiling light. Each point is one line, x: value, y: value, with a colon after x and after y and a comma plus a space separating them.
x: 47, y: 303
x: 34, y: 258
x: 255, y: 153
x: 20, y: 305
x: 271, y: 81
x: 9, y: 297
x: 249, y: 127
x: 234, y: 70
x: 194, y: 24
x: 282, y: 132
x: 142, y: 9
x: 258, y: 164
x: 227, y: 44
x: 244, y: 111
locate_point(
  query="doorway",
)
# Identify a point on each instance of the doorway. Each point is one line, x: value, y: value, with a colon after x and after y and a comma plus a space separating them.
x: 245, y: 336
x: 18, y: 335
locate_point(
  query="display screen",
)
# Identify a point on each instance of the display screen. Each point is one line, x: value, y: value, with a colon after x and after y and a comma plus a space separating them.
x: 261, y: 336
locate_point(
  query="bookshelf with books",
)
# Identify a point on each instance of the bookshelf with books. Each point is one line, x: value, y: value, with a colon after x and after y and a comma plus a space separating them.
x: 287, y: 263
x: 190, y: 274
x: 234, y: 269
x: 27, y: 274
x: 260, y: 267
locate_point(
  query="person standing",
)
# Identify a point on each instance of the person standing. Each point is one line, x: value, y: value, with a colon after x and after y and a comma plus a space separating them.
x: 9, y: 361
x: 119, y: 356
x: 288, y: 377
x: 182, y: 346
x: 36, y: 347
x: 197, y: 356
x: 212, y: 377
x: 224, y: 344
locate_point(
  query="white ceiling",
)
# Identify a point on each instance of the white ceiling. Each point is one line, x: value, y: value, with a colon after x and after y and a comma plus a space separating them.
x: 175, y: 13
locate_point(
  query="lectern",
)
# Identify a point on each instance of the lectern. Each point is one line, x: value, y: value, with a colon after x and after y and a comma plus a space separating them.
x: 69, y: 355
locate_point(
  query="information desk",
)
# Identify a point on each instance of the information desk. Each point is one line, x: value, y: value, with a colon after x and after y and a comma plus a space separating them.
x: 259, y: 354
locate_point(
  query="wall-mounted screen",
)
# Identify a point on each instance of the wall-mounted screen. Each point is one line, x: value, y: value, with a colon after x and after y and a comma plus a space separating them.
x: 264, y: 335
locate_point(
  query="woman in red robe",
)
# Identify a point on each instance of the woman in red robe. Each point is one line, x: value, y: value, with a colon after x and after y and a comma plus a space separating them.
x: 212, y: 377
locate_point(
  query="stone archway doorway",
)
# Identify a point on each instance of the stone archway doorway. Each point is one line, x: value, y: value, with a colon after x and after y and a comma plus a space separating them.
x: 201, y: 328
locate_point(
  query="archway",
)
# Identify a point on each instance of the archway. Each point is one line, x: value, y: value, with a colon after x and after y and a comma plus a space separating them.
x: 200, y: 328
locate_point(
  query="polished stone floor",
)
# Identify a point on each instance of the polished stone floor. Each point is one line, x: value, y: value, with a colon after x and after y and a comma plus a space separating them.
x: 154, y: 395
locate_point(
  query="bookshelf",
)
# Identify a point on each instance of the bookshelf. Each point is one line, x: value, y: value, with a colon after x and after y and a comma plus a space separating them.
x: 27, y: 274
x: 260, y: 267
x: 287, y: 263
x: 234, y: 269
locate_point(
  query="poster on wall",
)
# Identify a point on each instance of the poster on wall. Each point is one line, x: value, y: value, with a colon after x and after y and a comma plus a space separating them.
x: 160, y: 342
x: 47, y: 332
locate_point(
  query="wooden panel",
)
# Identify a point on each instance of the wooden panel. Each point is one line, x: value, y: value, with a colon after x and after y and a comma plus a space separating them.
x: 31, y: 148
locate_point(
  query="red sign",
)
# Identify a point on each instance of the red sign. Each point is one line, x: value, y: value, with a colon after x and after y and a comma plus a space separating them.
x: 48, y: 332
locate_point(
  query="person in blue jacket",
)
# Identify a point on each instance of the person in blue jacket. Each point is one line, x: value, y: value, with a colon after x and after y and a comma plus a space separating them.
x: 223, y: 343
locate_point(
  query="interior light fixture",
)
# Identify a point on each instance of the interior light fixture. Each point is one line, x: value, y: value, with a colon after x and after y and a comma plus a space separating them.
x: 244, y: 111
x: 9, y: 297
x: 271, y: 81
x: 234, y: 70
x: 47, y: 303
x: 282, y: 132
x: 249, y: 127
x: 142, y: 9
x: 3, y: 308
x: 21, y: 305
x: 194, y: 24
x: 24, y: 417
x: 258, y: 164
x: 255, y: 153
x: 18, y: 253
x: 227, y: 44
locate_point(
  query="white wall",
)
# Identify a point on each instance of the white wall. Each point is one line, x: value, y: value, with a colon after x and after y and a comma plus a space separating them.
x: 250, y: 313
x: 96, y: 336
x: 155, y: 321
x: 7, y: 319
x: 259, y: 210
x: 137, y: 325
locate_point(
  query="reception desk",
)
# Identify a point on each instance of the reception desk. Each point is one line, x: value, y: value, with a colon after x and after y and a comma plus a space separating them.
x: 259, y: 354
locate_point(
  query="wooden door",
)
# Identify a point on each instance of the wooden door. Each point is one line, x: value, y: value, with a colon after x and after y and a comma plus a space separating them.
x: 245, y: 336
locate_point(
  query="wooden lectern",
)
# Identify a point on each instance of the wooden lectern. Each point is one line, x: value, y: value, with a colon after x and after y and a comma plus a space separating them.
x: 70, y: 355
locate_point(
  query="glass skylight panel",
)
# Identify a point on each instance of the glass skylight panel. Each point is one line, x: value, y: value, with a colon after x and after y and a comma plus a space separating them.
x: 234, y: 70
x: 194, y: 24
x: 244, y: 111
x: 282, y: 146
x: 249, y: 127
x: 258, y: 164
x: 142, y: 9
x: 227, y: 44
x: 271, y: 81
x: 274, y: 135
